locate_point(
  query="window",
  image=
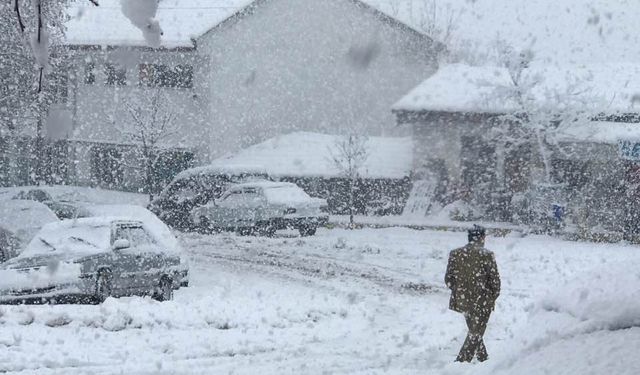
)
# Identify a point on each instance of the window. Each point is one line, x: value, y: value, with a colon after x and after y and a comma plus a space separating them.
x: 89, y: 73
x: 60, y: 87
x: 136, y: 235
x: 156, y: 75
x: 188, y: 192
x: 34, y: 195
x: 233, y: 197
x: 115, y: 76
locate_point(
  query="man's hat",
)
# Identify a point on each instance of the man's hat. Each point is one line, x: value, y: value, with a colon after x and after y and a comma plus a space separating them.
x: 476, y: 232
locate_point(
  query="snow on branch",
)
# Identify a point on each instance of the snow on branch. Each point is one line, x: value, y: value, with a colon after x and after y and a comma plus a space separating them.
x: 46, y: 13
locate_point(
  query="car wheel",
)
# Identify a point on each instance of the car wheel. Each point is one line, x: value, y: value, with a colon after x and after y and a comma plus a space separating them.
x: 307, y: 230
x: 104, y: 285
x: 165, y: 290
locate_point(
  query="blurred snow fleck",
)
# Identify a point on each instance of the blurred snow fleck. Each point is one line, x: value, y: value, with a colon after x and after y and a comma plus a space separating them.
x: 142, y: 14
x: 361, y: 56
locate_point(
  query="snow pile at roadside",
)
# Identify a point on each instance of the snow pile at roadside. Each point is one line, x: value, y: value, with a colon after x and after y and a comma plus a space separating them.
x: 608, y: 296
x: 591, y: 324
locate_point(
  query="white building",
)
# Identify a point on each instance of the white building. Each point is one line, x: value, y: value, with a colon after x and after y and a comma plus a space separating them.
x: 235, y: 73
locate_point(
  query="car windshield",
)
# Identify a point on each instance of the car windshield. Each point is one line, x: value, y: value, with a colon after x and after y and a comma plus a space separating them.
x: 85, y: 239
x: 35, y: 195
x: 285, y: 194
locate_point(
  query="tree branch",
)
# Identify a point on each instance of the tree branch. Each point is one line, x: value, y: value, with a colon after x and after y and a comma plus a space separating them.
x: 16, y: 8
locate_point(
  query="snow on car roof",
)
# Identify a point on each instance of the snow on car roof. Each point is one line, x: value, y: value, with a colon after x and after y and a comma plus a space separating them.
x: 222, y: 168
x: 180, y: 21
x: 154, y: 225
x: 307, y: 154
x: 83, y: 194
x: 609, y: 88
x: 84, y: 236
x: 263, y: 185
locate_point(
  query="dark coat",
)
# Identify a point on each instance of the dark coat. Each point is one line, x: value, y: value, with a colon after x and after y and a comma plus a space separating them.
x: 472, y: 275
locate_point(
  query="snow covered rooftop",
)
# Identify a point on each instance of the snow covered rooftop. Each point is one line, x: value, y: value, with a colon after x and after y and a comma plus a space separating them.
x: 600, y: 132
x: 567, y: 31
x: 180, y: 21
x: 608, y: 88
x: 305, y: 154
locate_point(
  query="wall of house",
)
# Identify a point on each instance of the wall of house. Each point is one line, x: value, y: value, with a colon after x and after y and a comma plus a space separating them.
x: 101, y: 112
x: 329, y: 66
x: 596, y: 186
x: 439, y: 142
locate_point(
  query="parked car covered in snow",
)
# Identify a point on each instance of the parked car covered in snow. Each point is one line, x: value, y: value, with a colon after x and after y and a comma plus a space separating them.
x: 20, y: 220
x: 263, y: 207
x: 62, y: 209
x: 68, y: 202
x: 10, y: 245
x: 90, y: 259
x: 196, y: 187
x: 156, y: 227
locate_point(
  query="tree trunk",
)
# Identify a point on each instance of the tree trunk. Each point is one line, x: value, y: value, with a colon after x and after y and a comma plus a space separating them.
x: 149, y: 171
x: 39, y: 152
x: 351, y: 200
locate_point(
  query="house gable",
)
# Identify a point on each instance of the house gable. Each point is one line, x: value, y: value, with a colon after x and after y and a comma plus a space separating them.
x: 250, y: 9
x: 324, y: 66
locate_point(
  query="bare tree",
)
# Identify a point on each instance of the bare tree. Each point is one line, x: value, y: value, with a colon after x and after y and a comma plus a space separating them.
x: 541, y: 110
x: 349, y: 155
x: 152, y: 123
x: 537, y: 119
x: 38, y: 22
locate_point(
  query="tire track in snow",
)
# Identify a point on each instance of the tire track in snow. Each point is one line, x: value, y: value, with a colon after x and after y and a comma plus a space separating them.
x: 314, y: 266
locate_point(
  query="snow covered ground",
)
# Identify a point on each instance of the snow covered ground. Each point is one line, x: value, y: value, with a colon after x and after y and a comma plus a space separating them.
x: 368, y: 301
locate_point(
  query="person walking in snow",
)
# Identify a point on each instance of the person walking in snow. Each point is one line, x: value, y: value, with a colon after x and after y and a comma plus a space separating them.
x: 472, y: 275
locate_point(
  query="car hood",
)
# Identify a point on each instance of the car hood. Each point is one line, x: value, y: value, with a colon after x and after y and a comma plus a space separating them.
x: 38, y: 273
x: 43, y: 260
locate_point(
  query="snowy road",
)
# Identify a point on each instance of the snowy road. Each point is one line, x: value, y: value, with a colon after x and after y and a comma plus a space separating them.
x: 343, y: 302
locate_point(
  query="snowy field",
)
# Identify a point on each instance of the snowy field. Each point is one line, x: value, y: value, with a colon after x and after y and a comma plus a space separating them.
x: 368, y: 301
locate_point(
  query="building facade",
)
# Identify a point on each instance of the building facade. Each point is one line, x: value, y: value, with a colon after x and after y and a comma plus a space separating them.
x: 261, y: 69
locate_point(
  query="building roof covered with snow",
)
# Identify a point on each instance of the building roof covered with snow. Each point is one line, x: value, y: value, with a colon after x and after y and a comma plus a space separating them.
x: 600, y: 132
x: 306, y: 154
x: 180, y: 21
x: 598, y: 88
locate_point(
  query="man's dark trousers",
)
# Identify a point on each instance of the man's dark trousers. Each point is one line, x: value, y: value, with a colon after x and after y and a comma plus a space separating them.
x: 474, y: 345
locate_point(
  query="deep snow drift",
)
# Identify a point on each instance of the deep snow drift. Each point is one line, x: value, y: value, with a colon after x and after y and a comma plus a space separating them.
x: 368, y: 301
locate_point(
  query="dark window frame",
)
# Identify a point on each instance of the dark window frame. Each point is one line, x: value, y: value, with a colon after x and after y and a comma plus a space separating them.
x: 115, y: 75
